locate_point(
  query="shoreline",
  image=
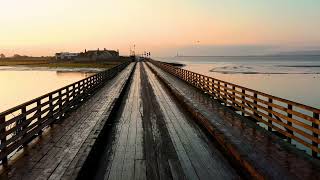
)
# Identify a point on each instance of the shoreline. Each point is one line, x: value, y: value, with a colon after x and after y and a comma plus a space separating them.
x: 43, y: 68
x: 48, y: 64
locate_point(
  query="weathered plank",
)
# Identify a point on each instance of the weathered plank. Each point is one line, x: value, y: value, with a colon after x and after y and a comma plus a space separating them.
x: 200, y: 160
x: 60, y: 145
x: 262, y: 154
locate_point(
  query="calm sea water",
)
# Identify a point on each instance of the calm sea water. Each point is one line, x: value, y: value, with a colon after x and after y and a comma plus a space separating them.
x: 295, y: 78
x: 19, y: 85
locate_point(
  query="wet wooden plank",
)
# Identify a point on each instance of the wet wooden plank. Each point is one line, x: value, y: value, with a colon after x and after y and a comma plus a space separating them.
x: 52, y: 156
x: 160, y: 149
x: 265, y: 154
x: 128, y: 139
x: 197, y: 158
x: 140, y: 170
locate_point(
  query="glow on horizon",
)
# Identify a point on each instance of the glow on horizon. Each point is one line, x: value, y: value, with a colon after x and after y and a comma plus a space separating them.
x: 43, y: 27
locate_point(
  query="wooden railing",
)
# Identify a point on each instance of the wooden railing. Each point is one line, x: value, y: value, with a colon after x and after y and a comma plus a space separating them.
x: 22, y: 123
x: 297, y: 123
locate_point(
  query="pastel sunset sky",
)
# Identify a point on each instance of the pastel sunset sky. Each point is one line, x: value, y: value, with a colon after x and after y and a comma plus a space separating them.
x: 164, y: 27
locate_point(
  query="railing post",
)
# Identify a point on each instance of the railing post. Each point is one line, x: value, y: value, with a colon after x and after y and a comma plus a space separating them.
x: 234, y: 95
x: 22, y: 121
x: 193, y: 78
x: 24, y: 117
x: 255, y: 95
x: 198, y: 80
x: 219, y: 90
x: 3, y: 140
x: 51, y: 108
x: 243, y: 102
x: 214, y: 90
x: 225, y: 94
x: 187, y: 76
x: 205, y: 81
x: 85, y: 86
x: 39, y: 118
x: 60, y: 105
x: 210, y: 84
x: 270, y: 114
x: 68, y: 95
x: 289, y: 123
x: 316, y: 126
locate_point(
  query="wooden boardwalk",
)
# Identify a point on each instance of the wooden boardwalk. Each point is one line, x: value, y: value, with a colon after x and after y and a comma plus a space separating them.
x: 61, y: 150
x: 259, y: 152
x: 148, y: 124
x: 155, y: 139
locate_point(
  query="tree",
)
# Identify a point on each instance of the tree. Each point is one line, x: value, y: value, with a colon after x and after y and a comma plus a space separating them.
x: 2, y: 56
x: 16, y: 56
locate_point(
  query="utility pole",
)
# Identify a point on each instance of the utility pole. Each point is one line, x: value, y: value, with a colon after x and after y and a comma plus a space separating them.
x: 134, y: 49
x: 130, y: 51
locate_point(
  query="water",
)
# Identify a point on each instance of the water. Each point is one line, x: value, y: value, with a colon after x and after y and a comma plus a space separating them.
x: 19, y: 85
x: 295, y: 78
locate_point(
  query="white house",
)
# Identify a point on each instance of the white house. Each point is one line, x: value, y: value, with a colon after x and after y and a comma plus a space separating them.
x: 66, y: 55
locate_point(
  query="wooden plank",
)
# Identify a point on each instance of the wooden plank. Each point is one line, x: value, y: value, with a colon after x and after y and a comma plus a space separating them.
x: 59, y: 150
x: 191, y: 147
x: 140, y: 170
x: 253, y: 144
x: 227, y: 98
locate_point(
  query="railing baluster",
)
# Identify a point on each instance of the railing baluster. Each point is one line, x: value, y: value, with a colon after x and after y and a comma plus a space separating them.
x: 243, y: 102
x: 51, y: 106
x: 39, y: 113
x: 23, y: 119
x: 60, y: 105
x: 255, y: 95
x: 3, y: 140
x: 234, y: 95
x: 270, y: 114
x: 219, y: 91
x: 68, y: 96
x: 225, y: 94
x: 316, y: 126
x: 289, y: 123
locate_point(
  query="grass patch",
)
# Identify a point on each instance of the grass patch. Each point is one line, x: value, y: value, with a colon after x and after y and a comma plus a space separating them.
x: 52, y: 63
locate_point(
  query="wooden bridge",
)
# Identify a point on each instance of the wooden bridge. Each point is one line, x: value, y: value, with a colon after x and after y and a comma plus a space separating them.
x: 151, y: 120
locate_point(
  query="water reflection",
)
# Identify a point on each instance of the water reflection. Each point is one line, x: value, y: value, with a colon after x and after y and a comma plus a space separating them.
x: 18, y: 86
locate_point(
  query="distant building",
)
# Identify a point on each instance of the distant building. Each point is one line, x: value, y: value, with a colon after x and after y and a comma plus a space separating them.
x: 66, y: 56
x: 88, y: 55
x: 99, y: 54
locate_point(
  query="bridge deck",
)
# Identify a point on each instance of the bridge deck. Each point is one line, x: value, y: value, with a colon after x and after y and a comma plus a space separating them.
x: 150, y: 135
x: 155, y: 139
x: 261, y: 152
x: 60, y: 150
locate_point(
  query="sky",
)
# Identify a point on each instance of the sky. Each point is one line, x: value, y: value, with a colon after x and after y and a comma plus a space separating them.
x: 163, y: 27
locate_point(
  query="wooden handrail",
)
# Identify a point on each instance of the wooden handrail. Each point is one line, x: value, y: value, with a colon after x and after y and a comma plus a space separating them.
x: 293, y: 120
x: 35, y: 115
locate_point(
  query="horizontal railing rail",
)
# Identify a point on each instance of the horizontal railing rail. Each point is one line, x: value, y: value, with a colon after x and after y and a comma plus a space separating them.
x: 297, y: 123
x: 22, y: 123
